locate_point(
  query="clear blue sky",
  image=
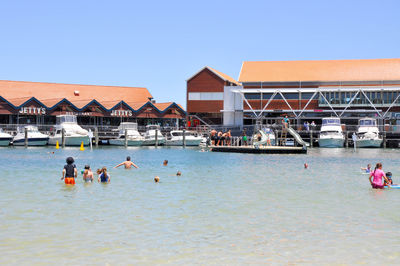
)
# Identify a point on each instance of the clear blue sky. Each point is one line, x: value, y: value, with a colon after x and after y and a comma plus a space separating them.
x: 159, y: 44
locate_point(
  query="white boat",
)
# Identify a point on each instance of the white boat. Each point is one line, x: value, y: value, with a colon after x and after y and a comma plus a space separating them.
x: 368, y: 134
x: 150, y: 136
x: 5, y: 138
x: 175, y: 138
x: 73, y: 133
x: 265, y: 136
x: 331, y: 135
x: 133, y: 136
x: 35, y: 138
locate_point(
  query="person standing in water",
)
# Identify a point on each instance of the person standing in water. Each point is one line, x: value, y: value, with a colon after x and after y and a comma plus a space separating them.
x: 128, y: 164
x: 104, y: 177
x: 379, y: 177
x: 87, y: 174
x: 69, y: 172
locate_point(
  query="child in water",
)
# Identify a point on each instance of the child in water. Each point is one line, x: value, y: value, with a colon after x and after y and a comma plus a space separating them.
x: 103, y: 176
x: 87, y: 174
x: 368, y: 169
x: 379, y: 177
x: 389, y: 177
x: 69, y: 172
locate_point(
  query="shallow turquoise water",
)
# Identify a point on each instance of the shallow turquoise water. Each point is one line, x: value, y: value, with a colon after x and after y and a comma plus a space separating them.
x: 224, y: 209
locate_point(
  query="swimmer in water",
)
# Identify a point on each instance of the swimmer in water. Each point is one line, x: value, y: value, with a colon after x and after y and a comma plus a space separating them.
x: 103, y: 177
x: 87, y: 174
x: 368, y: 169
x: 305, y: 165
x: 128, y: 164
x: 156, y: 179
x: 69, y: 172
x: 389, y: 177
x: 165, y: 163
x: 178, y: 173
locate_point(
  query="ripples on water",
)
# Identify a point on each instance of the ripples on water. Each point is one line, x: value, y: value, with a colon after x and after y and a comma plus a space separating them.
x: 224, y: 209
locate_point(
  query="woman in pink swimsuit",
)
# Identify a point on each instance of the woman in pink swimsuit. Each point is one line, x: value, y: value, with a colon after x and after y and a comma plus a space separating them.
x: 377, y: 182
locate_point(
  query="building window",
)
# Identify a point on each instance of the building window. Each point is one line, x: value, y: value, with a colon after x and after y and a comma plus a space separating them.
x: 206, y: 96
x: 252, y: 96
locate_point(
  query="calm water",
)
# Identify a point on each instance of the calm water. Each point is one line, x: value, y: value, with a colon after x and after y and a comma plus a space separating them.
x: 224, y: 209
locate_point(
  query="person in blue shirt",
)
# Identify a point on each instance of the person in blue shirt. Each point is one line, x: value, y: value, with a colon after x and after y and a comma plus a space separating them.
x: 368, y: 169
x: 103, y: 176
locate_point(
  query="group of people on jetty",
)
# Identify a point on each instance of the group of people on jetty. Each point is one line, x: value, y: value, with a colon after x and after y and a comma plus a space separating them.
x: 70, y: 172
x: 221, y: 138
x: 377, y: 177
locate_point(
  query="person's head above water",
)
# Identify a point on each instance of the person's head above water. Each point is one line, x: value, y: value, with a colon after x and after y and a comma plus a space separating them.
x: 305, y: 165
x: 389, y: 174
x: 369, y: 166
x: 165, y: 162
x: 87, y: 167
x: 378, y: 166
x: 156, y: 179
x: 128, y: 158
x: 70, y: 160
x: 179, y: 173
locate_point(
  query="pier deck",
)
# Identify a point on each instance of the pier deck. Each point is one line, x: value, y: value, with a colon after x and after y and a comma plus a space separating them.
x: 261, y: 150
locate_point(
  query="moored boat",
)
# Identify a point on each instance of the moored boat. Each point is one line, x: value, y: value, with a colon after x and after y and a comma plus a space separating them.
x: 5, y: 138
x: 368, y: 134
x: 132, y: 138
x: 331, y: 135
x: 74, y: 135
x: 150, y: 136
x: 34, y: 137
x: 175, y: 138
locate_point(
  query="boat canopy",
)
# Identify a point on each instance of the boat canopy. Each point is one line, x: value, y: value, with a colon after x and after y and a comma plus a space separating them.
x: 177, y: 133
x: 66, y: 119
x: 368, y: 122
x: 332, y: 121
x: 128, y: 125
x: 29, y: 128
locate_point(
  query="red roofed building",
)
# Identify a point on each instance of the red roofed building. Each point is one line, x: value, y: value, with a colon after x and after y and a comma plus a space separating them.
x: 39, y: 102
x: 304, y: 90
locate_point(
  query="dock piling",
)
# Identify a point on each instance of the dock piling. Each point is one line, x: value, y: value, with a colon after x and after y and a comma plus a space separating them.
x: 184, y: 138
x: 346, y: 139
x: 96, y: 136
x: 26, y: 137
x: 311, y: 138
x: 126, y: 138
x: 63, y: 138
x: 156, y: 143
x: 384, y: 139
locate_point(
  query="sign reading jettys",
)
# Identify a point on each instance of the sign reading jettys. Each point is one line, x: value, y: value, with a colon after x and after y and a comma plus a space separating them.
x: 124, y: 113
x: 32, y: 111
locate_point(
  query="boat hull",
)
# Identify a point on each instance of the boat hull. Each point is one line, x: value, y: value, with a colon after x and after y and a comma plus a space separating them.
x: 152, y: 142
x: 189, y: 142
x: 121, y: 142
x: 369, y: 143
x: 31, y: 142
x: 331, y: 142
x: 70, y: 140
x: 5, y: 141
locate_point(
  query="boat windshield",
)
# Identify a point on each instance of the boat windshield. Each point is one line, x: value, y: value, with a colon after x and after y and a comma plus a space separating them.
x: 152, y: 127
x: 124, y: 126
x: 331, y: 122
x: 367, y: 122
x: 28, y: 128
x: 66, y: 119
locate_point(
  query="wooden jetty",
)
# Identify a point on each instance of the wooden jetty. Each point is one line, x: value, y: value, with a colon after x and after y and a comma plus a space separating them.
x: 260, y: 150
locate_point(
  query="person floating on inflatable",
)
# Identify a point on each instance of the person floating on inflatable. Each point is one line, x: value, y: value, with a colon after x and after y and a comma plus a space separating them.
x: 379, y: 177
x: 389, y: 177
x: 69, y: 172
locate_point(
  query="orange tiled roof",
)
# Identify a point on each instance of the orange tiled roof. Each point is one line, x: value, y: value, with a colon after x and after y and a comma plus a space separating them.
x: 224, y: 76
x: 48, y: 91
x: 320, y: 70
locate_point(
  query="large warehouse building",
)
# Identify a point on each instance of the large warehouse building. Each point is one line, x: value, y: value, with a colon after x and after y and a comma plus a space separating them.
x: 303, y: 90
x: 39, y: 103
